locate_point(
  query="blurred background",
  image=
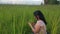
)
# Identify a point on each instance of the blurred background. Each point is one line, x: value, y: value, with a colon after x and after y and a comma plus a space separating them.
x: 30, y: 2
x: 15, y: 15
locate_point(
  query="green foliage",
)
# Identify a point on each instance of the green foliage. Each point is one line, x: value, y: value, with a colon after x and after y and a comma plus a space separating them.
x: 14, y: 18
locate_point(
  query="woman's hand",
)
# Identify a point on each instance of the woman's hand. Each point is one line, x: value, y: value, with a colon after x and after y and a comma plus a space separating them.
x: 36, y: 28
x: 31, y: 24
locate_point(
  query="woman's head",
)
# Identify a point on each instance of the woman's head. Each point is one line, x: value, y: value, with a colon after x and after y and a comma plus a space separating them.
x: 39, y: 16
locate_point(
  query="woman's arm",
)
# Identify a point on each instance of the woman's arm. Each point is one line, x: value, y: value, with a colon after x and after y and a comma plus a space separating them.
x: 36, y: 28
x: 33, y: 24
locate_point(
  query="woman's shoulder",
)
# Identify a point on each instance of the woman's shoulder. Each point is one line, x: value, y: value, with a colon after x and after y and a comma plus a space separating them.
x: 40, y: 22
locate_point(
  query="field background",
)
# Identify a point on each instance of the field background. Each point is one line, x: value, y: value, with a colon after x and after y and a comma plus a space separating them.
x: 14, y: 18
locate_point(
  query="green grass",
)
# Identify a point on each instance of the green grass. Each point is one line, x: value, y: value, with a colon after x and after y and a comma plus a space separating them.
x: 14, y: 18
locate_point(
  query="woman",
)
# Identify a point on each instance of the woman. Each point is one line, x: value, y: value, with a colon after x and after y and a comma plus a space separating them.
x: 40, y: 26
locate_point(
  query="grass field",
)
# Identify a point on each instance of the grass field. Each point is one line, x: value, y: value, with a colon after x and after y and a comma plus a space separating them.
x: 14, y: 18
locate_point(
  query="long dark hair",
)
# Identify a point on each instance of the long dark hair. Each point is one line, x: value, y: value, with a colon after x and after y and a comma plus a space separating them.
x: 41, y: 16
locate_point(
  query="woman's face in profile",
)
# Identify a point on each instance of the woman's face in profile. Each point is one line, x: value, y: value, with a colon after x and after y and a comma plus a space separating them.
x: 36, y: 17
